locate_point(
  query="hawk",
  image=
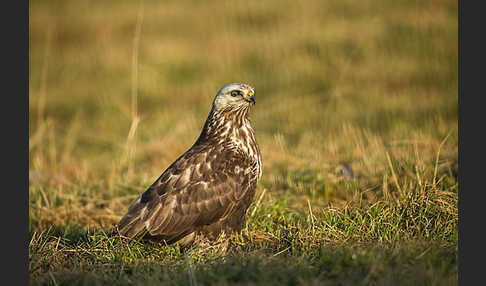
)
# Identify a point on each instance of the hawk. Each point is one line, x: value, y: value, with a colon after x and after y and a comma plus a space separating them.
x: 209, y: 188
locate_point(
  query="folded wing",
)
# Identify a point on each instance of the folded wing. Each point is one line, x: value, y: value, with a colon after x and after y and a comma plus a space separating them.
x: 198, y: 189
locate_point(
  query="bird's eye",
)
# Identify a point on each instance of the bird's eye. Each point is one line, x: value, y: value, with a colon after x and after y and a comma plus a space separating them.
x: 235, y: 93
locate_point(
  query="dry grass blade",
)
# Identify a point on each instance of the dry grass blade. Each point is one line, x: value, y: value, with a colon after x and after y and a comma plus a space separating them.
x: 437, y: 157
x: 258, y: 202
x: 395, y: 178
x: 135, y: 55
x: 311, y: 217
x: 52, y: 278
x: 280, y: 252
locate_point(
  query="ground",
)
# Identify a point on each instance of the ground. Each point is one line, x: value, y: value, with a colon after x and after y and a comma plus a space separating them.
x: 118, y: 90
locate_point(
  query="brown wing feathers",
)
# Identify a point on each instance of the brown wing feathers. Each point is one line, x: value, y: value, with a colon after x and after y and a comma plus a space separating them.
x: 176, y: 205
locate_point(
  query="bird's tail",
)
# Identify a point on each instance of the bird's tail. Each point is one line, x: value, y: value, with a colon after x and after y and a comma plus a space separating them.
x: 131, y: 224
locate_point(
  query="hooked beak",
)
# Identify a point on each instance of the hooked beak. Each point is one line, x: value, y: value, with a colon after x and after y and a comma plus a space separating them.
x: 251, y: 97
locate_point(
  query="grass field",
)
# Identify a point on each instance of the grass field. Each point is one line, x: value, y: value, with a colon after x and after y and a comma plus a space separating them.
x: 119, y: 89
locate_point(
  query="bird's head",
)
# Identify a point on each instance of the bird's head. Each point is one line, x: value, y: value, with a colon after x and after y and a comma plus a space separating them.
x: 234, y: 96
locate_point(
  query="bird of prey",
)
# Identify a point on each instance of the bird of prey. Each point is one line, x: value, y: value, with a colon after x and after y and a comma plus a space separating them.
x: 209, y: 188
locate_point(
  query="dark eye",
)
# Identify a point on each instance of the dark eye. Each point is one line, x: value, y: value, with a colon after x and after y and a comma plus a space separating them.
x: 235, y: 93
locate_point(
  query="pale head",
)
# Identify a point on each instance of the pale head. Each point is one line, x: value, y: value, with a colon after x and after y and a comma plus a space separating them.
x: 234, y: 95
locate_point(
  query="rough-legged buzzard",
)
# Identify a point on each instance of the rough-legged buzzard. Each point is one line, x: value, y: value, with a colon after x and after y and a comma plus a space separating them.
x: 209, y: 188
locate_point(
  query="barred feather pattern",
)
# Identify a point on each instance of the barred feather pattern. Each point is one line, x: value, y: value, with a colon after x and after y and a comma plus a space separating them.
x: 209, y: 188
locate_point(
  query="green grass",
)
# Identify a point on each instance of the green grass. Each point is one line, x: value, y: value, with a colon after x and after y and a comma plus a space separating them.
x: 372, y: 84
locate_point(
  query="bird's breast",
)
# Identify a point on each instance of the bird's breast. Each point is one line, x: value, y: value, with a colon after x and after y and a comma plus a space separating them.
x: 243, y: 141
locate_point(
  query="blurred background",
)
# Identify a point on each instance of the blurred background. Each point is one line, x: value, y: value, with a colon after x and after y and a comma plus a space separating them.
x: 119, y: 89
